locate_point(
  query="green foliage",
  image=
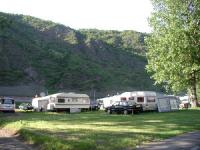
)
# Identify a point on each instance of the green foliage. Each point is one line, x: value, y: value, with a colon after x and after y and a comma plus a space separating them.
x: 71, y: 38
x: 130, y: 41
x: 59, y: 57
x: 173, y: 47
x: 4, y: 23
x: 37, y: 23
x: 10, y: 76
x: 198, y: 91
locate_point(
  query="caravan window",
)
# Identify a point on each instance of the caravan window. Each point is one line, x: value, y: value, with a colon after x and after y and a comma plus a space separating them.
x: 68, y: 99
x: 151, y: 99
x: 140, y: 99
x: 75, y: 100
x: 61, y: 100
x: 131, y: 98
x: 123, y: 98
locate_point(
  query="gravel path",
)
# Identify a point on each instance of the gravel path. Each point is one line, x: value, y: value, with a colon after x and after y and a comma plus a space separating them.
x: 188, y: 141
x: 8, y: 141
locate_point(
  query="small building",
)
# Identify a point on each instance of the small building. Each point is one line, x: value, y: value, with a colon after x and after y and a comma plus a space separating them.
x: 61, y: 101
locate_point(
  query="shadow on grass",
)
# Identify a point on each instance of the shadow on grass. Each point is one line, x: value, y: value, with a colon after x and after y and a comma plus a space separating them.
x: 99, y: 130
x: 86, y: 139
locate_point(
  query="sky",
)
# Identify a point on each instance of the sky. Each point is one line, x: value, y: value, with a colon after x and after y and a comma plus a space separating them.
x: 80, y: 14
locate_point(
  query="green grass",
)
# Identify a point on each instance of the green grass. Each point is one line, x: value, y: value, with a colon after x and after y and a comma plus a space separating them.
x: 97, y: 130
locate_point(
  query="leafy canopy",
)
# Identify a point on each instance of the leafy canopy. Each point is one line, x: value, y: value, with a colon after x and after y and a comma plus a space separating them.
x: 174, y: 45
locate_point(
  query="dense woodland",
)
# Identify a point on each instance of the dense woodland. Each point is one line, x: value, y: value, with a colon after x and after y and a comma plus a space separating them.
x: 58, y: 57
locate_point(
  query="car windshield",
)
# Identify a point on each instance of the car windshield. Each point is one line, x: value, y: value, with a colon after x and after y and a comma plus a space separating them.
x: 120, y: 103
x: 26, y: 104
x: 23, y: 104
x: 116, y: 103
x: 8, y: 101
x: 124, y: 103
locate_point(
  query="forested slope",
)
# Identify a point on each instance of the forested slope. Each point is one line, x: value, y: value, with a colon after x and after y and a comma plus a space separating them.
x: 34, y: 51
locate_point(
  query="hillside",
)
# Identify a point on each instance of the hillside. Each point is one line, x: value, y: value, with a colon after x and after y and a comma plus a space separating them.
x: 56, y: 57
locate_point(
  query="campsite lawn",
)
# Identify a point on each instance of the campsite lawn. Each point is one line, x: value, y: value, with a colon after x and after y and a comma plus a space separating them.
x: 98, y: 130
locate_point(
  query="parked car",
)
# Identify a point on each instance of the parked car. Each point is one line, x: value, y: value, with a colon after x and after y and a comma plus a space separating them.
x: 25, y: 106
x: 7, y: 104
x: 124, y: 107
x: 94, y: 105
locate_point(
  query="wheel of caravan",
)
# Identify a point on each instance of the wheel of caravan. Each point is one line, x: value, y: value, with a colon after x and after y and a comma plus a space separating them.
x: 125, y: 112
x: 109, y: 111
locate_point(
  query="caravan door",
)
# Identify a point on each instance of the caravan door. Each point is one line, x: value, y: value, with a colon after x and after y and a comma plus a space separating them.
x: 42, y: 105
x: 151, y: 103
x: 141, y: 100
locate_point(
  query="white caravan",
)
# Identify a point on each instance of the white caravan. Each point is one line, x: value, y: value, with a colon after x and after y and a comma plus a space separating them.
x: 146, y: 98
x: 154, y: 101
x: 61, y: 101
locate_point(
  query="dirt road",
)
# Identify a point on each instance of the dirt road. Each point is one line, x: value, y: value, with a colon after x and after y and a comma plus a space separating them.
x: 188, y: 141
x: 8, y: 141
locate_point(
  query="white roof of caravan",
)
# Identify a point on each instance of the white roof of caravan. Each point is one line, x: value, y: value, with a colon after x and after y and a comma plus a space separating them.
x: 70, y: 95
x: 138, y: 93
x: 63, y: 95
x: 110, y: 97
x: 125, y: 94
x: 129, y: 94
x: 41, y: 98
x: 104, y: 98
x: 116, y: 96
x: 143, y: 93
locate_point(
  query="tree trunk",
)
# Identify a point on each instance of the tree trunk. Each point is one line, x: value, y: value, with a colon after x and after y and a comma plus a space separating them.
x: 194, y: 90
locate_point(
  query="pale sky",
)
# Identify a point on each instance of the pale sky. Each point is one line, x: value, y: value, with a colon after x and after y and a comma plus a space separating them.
x: 80, y: 14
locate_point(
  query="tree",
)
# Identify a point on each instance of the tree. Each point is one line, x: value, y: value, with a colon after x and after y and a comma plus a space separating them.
x: 4, y: 22
x: 174, y: 45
